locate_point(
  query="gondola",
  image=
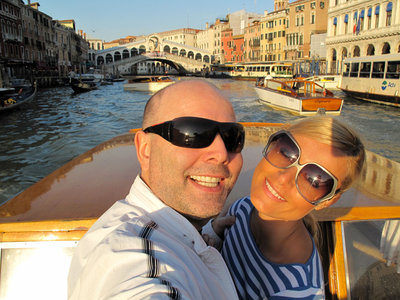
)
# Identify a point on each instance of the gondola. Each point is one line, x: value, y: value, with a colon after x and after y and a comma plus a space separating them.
x: 11, y: 98
x: 80, y: 86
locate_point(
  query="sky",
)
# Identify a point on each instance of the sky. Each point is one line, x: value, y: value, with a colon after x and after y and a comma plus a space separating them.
x: 113, y: 19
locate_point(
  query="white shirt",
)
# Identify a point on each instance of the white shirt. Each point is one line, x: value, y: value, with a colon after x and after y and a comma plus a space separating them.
x: 142, y: 249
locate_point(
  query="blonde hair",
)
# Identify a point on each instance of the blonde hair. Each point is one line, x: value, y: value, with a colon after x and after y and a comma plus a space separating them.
x: 331, y: 131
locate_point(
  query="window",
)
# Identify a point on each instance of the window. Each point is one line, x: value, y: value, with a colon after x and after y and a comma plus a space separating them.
x: 377, y: 69
x: 377, y: 16
x: 312, y: 18
x: 389, y: 14
x: 393, y: 70
x: 354, y: 69
x: 365, y: 69
x: 322, y: 5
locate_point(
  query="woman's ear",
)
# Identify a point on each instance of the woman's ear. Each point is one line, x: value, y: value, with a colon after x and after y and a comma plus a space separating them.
x: 142, y: 144
x: 328, y: 203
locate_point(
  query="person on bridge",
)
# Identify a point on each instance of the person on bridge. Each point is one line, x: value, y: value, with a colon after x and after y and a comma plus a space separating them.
x: 149, y: 245
x: 269, y: 249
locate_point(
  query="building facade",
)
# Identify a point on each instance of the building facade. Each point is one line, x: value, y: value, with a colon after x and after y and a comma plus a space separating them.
x: 305, y: 18
x: 362, y: 28
x: 251, y: 44
x: 273, y: 34
x: 11, y: 39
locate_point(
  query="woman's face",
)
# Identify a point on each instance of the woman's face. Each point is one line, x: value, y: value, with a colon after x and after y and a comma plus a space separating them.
x: 273, y: 190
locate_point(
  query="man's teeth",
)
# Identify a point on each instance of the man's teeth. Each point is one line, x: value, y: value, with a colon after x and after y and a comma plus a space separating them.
x: 206, y: 181
x: 273, y: 191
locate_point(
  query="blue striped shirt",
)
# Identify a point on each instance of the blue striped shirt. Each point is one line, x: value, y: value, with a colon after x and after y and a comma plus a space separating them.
x: 257, y: 278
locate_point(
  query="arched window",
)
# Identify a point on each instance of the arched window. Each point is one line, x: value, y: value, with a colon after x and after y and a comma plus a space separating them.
x: 389, y: 14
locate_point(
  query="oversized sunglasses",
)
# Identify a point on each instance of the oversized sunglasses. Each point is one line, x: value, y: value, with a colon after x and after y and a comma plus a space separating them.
x: 315, y: 183
x: 193, y: 132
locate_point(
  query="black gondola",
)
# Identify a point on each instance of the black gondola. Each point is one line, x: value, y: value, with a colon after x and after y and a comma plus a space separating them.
x: 10, y: 98
x: 82, y: 86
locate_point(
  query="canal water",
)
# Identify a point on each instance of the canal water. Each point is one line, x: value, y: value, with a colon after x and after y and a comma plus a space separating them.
x: 59, y: 125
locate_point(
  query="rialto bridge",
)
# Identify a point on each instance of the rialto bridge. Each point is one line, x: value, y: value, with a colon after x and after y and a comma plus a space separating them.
x: 152, y: 53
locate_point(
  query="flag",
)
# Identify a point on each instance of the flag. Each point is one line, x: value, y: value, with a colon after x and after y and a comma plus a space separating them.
x: 358, y: 26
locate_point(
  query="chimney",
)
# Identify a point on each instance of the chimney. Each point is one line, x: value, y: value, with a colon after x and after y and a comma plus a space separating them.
x: 206, y: 25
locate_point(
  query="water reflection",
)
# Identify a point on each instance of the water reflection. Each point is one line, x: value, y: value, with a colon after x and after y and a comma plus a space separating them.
x: 59, y: 125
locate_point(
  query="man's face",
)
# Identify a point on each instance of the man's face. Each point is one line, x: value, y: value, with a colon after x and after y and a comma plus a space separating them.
x: 194, y: 182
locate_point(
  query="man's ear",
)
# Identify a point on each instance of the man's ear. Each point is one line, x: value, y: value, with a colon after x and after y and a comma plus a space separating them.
x: 142, y: 144
x: 329, y: 202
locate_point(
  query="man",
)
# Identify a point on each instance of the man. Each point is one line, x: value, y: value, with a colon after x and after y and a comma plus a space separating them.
x: 149, y: 245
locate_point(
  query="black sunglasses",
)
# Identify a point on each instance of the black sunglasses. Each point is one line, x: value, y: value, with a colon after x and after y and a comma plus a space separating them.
x: 193, y: 132
x: 315, y: 183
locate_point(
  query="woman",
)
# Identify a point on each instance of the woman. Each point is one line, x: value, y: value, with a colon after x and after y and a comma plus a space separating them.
x: 269, y: 250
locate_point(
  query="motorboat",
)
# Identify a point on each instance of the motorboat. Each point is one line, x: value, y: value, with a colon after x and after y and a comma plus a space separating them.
x: 80, y: 86
x: 13, y: 97
x: 330, y: 82
x: 150, y: 84
x: 93, y: 75
x: 299, y: 96
x: 42, y: 225
x: 373, y: 78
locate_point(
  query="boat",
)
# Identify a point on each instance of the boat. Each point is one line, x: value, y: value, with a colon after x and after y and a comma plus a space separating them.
x: 13, y: 97
x: 81, y: 86
x: 372, y: 78
x: 93, y: 75
x: 106, y: 82
x: 148, y: 83
x: 299, y: 96
x: 253, y: 71
x: 42, y: 225
x: 331, y: 82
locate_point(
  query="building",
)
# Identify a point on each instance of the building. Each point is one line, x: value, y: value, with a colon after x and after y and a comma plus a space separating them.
x: 273, y: 33
x: 239, y: 20
x: 39, y: 46
x: 305, y: 18
x: 252, y: 35
x: 11, y: 39
x: 115, y: 43
x: 365, y: 27
x: 210, y: 39
x: 183, y: 36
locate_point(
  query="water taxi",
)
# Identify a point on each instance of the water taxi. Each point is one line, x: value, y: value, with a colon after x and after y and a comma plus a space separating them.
x: 373, y: 78
x: 299, y: 96
x: 41, y: 226
x: 331, y: 82
x: 148, y: 83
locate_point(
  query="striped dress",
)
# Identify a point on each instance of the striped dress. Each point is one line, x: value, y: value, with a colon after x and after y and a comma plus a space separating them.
x: 257, y: 278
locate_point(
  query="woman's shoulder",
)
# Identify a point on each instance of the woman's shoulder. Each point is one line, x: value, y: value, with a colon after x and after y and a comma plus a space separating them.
x: 243, y: 204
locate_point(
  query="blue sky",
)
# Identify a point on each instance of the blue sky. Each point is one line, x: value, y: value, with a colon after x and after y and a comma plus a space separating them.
x: 110, y: 20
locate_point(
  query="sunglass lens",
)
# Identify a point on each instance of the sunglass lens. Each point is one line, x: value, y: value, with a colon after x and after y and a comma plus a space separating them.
x: 233, y: 136
x: 282, y: 151
x: 314, y: 183
x: 192, y: 132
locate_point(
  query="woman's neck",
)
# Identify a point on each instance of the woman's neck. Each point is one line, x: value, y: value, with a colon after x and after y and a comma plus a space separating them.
x: 280, y: 241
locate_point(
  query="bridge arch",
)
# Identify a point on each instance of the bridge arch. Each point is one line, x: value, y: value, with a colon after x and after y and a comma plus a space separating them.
x: 175, y: 51
x: 125, y: 54
x: 167, y: 49
x: 134, y: 52
x: 142, y: 49
x: 182, y: 52
x: 117, y: 56
x: 109, y: 58
x: 100, y: 60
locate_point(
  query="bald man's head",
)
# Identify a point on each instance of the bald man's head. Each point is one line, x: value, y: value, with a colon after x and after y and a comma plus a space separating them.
x: 184, y: 98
